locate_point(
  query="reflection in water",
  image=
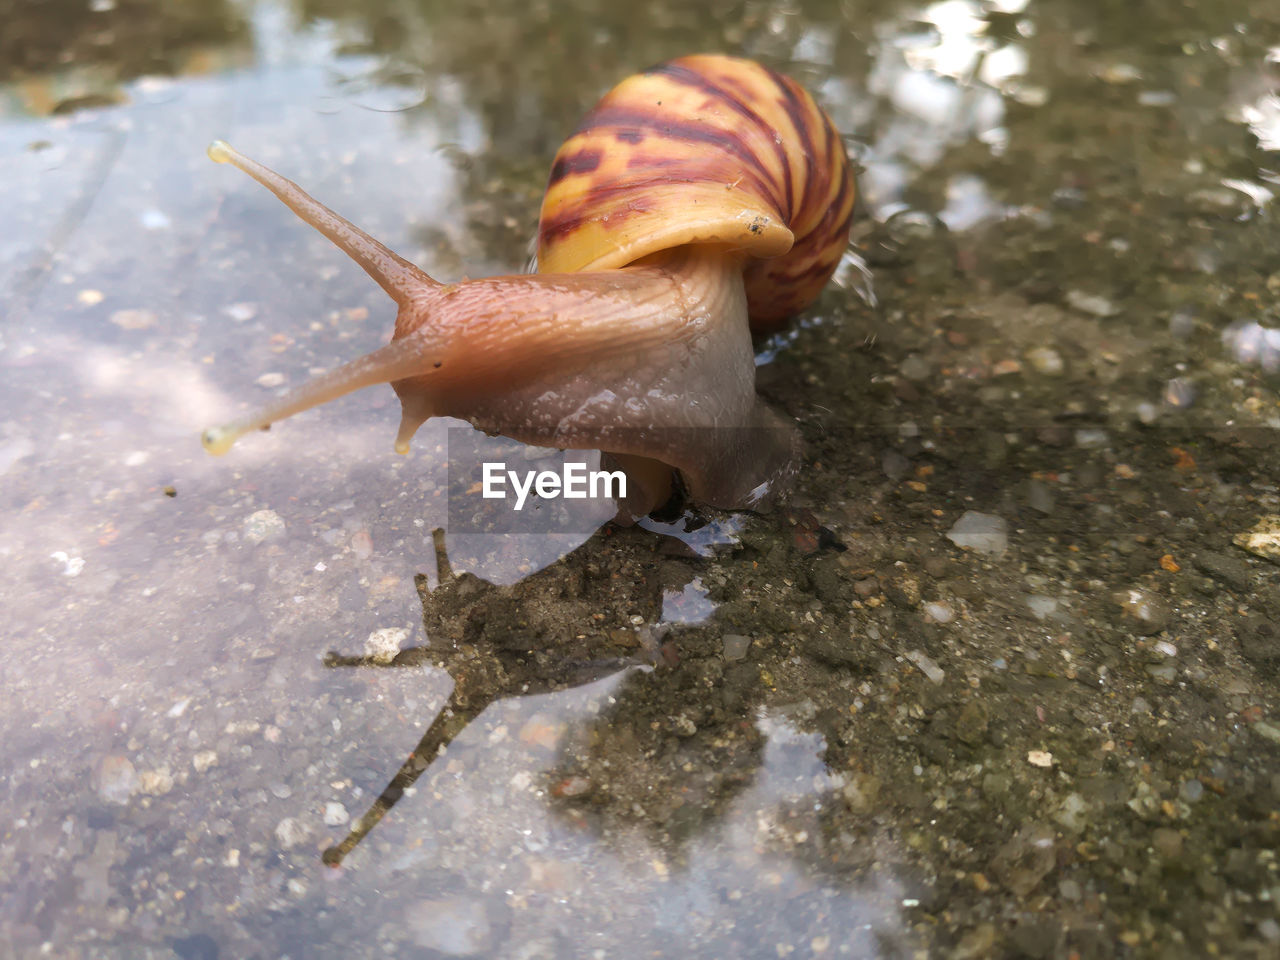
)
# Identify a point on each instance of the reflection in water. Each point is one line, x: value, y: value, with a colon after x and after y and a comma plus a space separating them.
x: 1263, y: 118
x: 94, y: 45
x: 941, y: 93
x: 689, y: 604
x: 690, y: 757
x: 701, y: 536
x: 1251, y: 343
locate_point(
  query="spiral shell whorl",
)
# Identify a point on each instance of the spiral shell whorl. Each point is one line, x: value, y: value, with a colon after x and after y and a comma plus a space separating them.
x: 705, y: 149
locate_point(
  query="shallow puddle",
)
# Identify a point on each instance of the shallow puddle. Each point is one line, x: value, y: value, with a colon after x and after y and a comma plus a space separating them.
x: 999, y: 682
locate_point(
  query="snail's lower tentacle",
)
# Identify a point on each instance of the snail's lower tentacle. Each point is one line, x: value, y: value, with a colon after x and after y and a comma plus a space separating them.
x: 392, y: 362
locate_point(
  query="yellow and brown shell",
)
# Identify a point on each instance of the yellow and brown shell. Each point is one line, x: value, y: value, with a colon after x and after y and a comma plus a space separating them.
x: 705, y: 149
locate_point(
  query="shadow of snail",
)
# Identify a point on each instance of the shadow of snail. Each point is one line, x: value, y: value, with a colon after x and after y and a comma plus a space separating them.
x: 681, y: 743
x: 567, y: 625
x: 679, y: 739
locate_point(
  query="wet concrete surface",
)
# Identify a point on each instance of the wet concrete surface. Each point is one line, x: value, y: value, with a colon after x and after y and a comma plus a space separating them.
x: 1000, y: 682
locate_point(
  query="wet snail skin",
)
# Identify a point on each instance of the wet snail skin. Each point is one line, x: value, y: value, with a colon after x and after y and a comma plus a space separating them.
x: 699, y: 202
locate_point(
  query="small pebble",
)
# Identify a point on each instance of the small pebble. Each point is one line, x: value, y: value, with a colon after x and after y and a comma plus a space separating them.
x: 262, y: 526
x: 940, y: 612
x: 571, y: 787
x: 1092, y: 439
x: 1042, y: 607
x: 240, y: 312
x: 1263, y: 540
x: 156, y: 782
x: 1179, y: 394
x: 1268, y: 731
x: 1092, y: 304
x: 335, y: 814
x: 71, y: 566
x: 203, y: 760
x: 1025, y: 859
x: 1119, y: 73
x: 861, y: 792
x: 1069, y: 198
x: 290, y: 832
x: 1191, y: 791
x: 270, y: 380
x: 1251, y: 343
x: 927, y: 666
x: 1234, y: 572
x: 1005, y: 367
x: 362, y: 544
x: 1150, y: 613
x: 983, y: 533
x: 973, y: 722
x: 115, y: 778
x: 383, y: 646
x: 1073, y: 814
x: 736, y: 646
x: 1045, y: 360
x: 133, y: 319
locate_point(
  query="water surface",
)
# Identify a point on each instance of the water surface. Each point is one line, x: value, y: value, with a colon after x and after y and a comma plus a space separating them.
x: 828, y: 732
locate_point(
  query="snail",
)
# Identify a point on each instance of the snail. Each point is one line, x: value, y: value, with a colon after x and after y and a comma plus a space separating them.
x: 699, y: 202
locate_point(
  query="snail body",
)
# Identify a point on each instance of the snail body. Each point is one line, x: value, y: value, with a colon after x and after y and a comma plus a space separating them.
x: 700, y: 201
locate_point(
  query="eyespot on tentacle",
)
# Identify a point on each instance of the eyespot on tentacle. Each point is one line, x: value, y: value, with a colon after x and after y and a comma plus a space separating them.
x: 220, y: 151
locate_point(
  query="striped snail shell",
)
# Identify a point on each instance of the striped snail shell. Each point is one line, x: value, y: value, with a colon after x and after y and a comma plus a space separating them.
x: 705, y: 149
x: 699, y: 201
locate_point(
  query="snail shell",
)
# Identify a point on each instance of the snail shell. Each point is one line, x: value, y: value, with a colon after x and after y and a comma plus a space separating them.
x: 699, y: 201
x: 705, y: 149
